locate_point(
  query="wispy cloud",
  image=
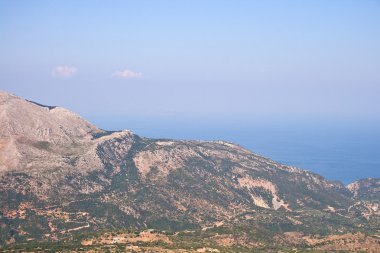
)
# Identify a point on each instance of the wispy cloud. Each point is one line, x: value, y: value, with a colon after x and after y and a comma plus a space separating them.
x: 64, y: 71
x: 127, y: 74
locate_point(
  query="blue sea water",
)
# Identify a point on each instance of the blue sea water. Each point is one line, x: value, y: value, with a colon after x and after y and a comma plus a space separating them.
x: 344, y: 152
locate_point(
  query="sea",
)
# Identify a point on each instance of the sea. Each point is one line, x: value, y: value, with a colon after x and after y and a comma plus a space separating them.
x: 343, y: 151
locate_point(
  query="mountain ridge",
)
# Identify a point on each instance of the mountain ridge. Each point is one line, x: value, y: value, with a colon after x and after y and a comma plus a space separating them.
x: 62, y: 175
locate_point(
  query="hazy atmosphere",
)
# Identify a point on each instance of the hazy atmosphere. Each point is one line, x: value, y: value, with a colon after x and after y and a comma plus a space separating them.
x: 251, y: 72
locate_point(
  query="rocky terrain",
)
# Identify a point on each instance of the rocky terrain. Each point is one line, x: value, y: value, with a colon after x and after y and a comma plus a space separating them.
x: 368, y: 189
x: 62, y: 177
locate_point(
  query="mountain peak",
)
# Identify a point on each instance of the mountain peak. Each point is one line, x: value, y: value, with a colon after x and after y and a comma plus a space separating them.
x: 30, y: 131
x: 5, y: 96
x: 23, y: 117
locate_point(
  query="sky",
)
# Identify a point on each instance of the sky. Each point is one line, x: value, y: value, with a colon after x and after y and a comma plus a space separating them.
x: 195, y: 60
x: 297, y: 81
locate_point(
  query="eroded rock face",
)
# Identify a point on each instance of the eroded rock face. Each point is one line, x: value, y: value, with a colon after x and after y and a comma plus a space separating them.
x: 254, y: 185
x: 62, y: 174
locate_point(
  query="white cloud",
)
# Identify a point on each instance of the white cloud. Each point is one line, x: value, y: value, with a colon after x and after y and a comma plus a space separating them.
x: 127, y: 74
x: 64, y: 71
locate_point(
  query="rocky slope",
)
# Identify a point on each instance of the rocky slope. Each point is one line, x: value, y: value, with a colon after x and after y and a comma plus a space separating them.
x: 368, y: 189
x: 60, y: 175
x: 36, y: 137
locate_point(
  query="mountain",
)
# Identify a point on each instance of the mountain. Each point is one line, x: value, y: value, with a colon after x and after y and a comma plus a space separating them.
x: 61, y: 176
x: 36, y: 137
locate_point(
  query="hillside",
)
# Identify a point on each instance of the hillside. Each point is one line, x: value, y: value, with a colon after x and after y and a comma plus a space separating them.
x: 366, y: 189
x: 61, y: 176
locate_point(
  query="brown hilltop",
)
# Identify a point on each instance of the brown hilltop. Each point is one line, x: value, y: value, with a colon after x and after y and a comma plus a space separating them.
x: 37, y: 137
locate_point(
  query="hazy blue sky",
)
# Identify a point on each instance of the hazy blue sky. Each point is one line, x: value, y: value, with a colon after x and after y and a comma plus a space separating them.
x: 195, y: 59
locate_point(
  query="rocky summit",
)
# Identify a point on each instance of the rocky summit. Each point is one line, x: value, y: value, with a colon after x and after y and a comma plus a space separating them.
x: 63, y: 180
